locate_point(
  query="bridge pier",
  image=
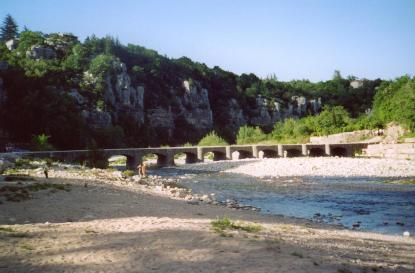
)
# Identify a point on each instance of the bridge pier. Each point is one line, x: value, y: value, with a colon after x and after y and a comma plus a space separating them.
x: 304, y: 150
x: 327, y: 149
x: 228, y: 153
x: 280, y: 150
x: 200, y: 154
x: 255, y: 153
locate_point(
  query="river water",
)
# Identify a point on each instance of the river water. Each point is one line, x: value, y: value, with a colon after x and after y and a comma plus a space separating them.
x: 358, y: 203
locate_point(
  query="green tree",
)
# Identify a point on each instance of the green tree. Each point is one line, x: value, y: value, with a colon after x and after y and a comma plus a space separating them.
x: 332, y: 120
x: 9, y: 30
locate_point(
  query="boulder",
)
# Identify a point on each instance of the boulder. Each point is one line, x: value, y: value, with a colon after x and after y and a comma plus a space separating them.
x: 12, y: 44
x: 39, y: 52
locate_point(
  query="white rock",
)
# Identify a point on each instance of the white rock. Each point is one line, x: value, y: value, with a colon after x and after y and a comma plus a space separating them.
x: 406, y: 234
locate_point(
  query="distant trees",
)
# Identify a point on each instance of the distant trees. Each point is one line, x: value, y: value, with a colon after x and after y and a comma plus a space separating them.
x: 9, y: 30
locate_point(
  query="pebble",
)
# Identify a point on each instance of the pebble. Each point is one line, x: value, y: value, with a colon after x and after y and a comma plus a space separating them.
x: 406, y: 234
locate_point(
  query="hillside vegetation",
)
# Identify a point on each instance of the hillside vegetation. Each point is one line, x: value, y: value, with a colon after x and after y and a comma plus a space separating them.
x: 54, y: 85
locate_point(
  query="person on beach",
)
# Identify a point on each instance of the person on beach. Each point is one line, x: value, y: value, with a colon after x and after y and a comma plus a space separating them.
x: 139, y: 170
x: 144, y: 170
x: 46, y: 170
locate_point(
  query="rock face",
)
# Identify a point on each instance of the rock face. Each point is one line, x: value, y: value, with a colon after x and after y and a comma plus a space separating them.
x: 61, y: 42
x: 123, y: 97
x: 234, y: 116
x: 161, y: 118
x: 97, y: 118
x: 195, y: 108
x: 260, y: 114
x: 39, y: 52
x: 265, y: 114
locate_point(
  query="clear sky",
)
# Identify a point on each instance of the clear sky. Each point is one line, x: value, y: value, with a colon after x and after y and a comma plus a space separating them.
x: 293, y: 39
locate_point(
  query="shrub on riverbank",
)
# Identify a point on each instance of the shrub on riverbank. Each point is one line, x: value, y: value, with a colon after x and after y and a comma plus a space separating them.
x: 250, y: 135
x: 212, y: 139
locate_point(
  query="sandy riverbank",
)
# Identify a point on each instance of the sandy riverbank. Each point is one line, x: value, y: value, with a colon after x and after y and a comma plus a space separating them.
x: 117, y: 225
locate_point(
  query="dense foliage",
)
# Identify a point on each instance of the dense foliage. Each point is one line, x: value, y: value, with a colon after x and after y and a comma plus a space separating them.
x: 395, y: 101
x: 212, y: 139
x: 38, y: 100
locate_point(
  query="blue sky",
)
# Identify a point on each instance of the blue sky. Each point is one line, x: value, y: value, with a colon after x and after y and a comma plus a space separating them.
x: 298, y: 39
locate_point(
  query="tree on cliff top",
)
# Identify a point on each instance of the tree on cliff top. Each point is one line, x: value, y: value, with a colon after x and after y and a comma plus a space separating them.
x: 9, y: 30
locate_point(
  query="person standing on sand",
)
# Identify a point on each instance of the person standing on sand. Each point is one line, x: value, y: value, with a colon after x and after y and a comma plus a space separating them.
x: 139, y: 170
x: 144, y: 170
x: 46, y: 170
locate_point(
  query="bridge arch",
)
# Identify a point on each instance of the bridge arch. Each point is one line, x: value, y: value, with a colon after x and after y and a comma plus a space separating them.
x: 189, y: 157
x: 241, y: 154
x: 292, y: 152
x: 155, y: 158
x: 316, y: 152
x: 268, y: 153
x: 338, y: 151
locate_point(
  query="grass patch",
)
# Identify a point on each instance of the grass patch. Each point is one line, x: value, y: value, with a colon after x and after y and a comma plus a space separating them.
x: 221, y: 225
x: 21, y: 193
x: 13, y: 233
x: 6, y: 229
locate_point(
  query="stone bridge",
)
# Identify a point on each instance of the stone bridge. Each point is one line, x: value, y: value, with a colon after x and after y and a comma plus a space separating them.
x: 165, y: 156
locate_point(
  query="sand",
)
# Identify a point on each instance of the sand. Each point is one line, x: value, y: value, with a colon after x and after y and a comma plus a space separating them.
x: 125, y: 227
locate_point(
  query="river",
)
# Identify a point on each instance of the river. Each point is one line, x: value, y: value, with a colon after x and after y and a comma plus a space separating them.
x: 368, y: 204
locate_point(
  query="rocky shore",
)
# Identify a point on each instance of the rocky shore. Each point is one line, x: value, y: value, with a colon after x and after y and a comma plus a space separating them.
x: 90, y: 220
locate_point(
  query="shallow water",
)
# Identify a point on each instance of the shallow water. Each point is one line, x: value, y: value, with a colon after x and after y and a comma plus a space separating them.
x: 358, y: 203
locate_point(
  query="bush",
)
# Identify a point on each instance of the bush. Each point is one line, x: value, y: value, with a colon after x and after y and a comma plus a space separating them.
x: 41, y: 143
x: 395, y: 101
x: 212, y: 139
x: 250, y: 135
